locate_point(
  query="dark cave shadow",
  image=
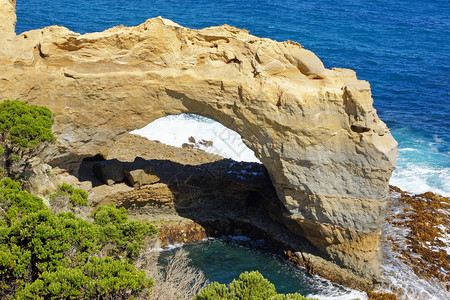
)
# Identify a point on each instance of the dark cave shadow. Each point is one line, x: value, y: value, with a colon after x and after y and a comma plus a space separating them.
x: 253, y: 175
x: 225, y: 197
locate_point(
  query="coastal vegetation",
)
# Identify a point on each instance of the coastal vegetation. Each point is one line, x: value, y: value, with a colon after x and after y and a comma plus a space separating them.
x: 44, y: 255
x: 249, y: 286
x: 25, y: 125
x: 24, y: 131
x: 47, y: 256
x: 76, y: 196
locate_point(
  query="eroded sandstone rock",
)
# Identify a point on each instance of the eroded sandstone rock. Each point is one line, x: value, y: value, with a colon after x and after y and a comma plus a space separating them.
x: 328, y: 154
x: 138, y: 173
x: 141, y: 177
x: 110, y: 171
x: 7, y: 18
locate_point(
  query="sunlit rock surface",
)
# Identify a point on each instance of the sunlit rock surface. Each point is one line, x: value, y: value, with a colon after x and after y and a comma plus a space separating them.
x: 315, y: 130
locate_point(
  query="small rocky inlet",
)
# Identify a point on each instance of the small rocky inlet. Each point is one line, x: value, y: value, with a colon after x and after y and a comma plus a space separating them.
x: 190, y: 195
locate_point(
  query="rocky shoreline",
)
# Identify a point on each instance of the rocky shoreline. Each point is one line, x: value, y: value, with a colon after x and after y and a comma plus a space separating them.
x: 193, y: 195
x: 201, y: 195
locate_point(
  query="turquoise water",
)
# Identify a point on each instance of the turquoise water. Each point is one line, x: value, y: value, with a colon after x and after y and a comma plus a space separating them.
x: 222, y: 260
x: 401, y: 47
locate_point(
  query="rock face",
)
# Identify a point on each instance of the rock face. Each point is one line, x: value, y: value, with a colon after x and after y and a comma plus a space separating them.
x: 141, y: 177
x: 328, y: 154
x: 138, y: 173
x: 7, y: 19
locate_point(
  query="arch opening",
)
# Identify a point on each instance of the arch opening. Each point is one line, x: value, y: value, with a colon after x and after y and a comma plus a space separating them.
x: 191, y: 131
x: 207, y: 194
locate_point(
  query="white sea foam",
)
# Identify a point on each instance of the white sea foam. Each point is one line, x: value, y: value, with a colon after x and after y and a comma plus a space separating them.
x: 335, y: 292
x: 400, y: 277
x: 168, y: 248
x: 418, y: 178
x: 175, y: 130
x: 176, y: 246
x: 408, y: 149
x: 341, y: 296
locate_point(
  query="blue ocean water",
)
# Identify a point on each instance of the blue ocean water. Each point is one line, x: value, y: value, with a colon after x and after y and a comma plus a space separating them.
x: 400, y: 46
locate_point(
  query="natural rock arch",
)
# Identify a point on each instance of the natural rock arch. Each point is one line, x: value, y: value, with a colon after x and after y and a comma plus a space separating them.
x: 328, y: 154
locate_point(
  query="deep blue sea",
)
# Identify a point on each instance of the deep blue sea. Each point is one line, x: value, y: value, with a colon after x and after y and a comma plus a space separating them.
x: 402, y: 47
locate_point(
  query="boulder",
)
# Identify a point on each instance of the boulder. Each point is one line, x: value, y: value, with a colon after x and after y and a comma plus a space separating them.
x: 41, y: 181
x: 140, y: 177
x: 138, y: 173
x: 110, y: 171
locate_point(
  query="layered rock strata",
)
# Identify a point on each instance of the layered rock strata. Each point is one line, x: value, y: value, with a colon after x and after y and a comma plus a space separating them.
x: 201, y: 195
x: 328, y: 154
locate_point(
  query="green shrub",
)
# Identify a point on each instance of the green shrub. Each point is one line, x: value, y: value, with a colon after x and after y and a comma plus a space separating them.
x: 109, y: 214
x: 22, y: 128
x: 76, y: 196
x: 61, y: 284
x: 43, y: 256
x: 214, y: 291
x: 127, y: 235
x: 252, y: 286
x: 98, y: 279
x: 25, y: 125
x: 113, y: 276
x: 249, y: 286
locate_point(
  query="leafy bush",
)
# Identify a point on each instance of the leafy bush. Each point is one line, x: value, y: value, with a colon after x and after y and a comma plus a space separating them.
x: 110, y: 214
x: 127, y: 235
x: 25, y: 125
x: 43, y: 256
x: 252, y: 286
x: 249, y: 286
x: 76, y: 196
x: 22, y: 128
x: 98, y: 279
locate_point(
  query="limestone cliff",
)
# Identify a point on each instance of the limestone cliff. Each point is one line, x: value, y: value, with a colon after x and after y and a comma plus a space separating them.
x: 7, y: 19
x: 328, y: 154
